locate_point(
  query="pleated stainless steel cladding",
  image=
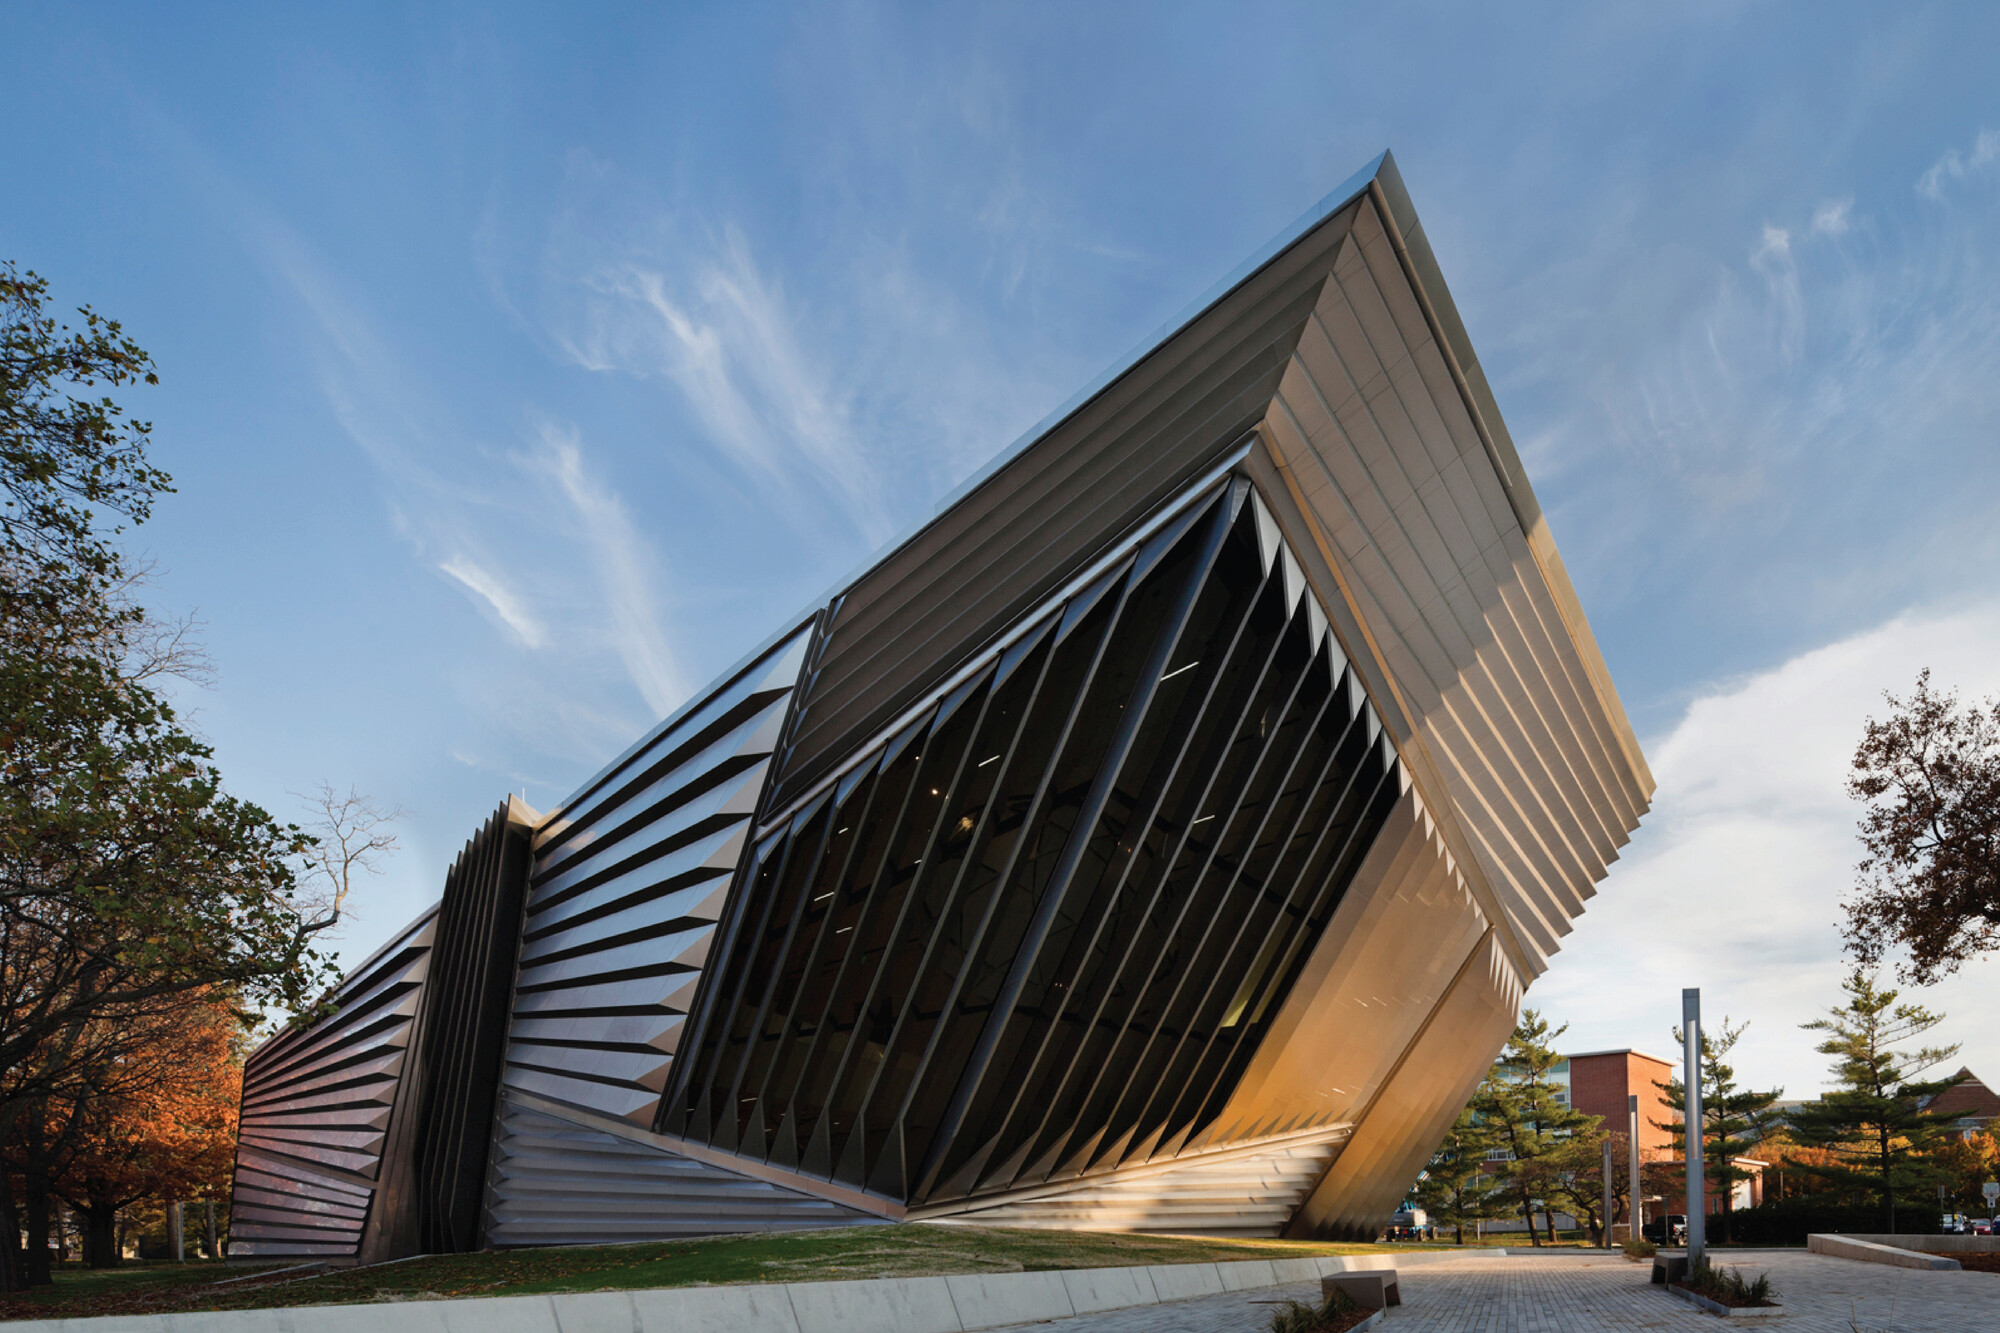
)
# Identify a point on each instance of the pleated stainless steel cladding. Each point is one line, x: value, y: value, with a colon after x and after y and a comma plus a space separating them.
x: 1161, y: 837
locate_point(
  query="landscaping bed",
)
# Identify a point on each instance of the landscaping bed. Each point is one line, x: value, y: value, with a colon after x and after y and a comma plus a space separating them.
x: 1725, y: 1291
x: 910, y: 1250
x: 1339, y: 1313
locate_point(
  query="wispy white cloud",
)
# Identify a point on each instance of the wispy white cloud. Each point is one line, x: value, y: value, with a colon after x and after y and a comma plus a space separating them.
x: 569, y: 584
x: 1774, y: 261
x: 1956, y: 165
x: 496, y: 597
x: 1788, y: 443
x: 724, y: 334
x: 1831, y: 218
x: 623, y: 562
x: 1733, y: 883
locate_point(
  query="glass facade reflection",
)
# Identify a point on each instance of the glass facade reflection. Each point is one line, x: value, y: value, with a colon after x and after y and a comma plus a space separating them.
x: 1041, y: 930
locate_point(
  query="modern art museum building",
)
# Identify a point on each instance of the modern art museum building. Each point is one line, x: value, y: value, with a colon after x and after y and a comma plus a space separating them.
x: 1159, y: 838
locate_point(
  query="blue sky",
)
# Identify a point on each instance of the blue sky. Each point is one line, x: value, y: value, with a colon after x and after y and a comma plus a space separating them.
x: 523, y: 367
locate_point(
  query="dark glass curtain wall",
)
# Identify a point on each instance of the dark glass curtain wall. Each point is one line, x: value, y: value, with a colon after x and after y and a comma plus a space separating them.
x: 1043, y: 929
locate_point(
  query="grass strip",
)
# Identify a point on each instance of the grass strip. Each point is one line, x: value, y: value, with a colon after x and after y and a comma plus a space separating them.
x: 844, y: 1253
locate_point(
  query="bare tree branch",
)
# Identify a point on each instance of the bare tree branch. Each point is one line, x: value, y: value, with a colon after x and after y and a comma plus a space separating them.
x: 350, y: 839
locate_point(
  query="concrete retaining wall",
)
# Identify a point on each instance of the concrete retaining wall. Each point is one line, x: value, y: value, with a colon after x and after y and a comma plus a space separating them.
x: 1934, y: 1244
x: 884, y: 1305
x: 1868, y: 1252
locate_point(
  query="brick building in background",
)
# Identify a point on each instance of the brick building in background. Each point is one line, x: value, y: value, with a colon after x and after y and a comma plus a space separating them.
x: 1599, y: 1082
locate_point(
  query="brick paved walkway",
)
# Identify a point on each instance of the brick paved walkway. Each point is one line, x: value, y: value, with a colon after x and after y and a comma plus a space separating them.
x: 1530, y: 1294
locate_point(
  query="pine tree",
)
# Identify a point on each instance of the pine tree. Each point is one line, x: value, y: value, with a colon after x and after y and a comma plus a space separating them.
x: 1521, y: 1106
x: 1458, y: 1186
x: 1733, y: 1120
x: 1873, y: 1124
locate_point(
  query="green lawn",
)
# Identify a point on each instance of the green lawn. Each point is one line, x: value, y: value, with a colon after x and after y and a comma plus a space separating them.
x: 913, y: 1250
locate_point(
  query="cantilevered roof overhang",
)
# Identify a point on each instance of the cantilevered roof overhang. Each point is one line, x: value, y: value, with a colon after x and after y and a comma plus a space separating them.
x: 1336, y: 350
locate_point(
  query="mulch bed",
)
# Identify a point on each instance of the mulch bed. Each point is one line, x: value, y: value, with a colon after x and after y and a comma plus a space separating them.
x: 1978, y: 1263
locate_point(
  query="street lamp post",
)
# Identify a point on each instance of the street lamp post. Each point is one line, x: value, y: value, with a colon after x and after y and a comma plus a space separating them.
x: 1607, y: 1193
x: 1635, y: 1211
x: 1691, y: 1058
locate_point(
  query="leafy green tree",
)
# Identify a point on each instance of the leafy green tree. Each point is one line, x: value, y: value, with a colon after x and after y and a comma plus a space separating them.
x: 128, y: 875
x: 67, y: 462
x: 1734, y: 1120
x: 1525, y: 1111
x: 1873, y: 1127
x: 1577, y: 1166
x: 1458, y: 1185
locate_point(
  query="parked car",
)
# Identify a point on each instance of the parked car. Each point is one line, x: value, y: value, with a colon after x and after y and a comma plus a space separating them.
x: 1669, y: 1230
x: 1982, y: 1226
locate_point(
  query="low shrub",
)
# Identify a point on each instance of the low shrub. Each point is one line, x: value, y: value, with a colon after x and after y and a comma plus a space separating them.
x: 1727, y: 1285
x: 1638, y: 1247
x: 1336, y: 1313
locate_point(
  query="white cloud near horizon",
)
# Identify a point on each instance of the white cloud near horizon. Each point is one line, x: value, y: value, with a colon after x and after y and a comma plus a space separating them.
x: 1735, y: 879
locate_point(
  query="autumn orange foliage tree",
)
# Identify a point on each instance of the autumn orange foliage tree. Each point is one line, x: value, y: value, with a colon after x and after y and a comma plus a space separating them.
x: 156, y: 1120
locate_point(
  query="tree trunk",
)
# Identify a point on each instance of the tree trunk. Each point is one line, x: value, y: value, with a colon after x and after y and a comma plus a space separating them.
x: 100, y: 1235
x: 10, y: 1235
x: 1528, y: 1212
x: 1889, y: 1189
x: 35, y: 1262
x: 209, y: 1244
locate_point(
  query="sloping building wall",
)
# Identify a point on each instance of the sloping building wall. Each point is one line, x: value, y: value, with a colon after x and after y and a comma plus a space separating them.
x: 559, y: 1181
x: 316, y: 1108
x: 1248, y: 1190
x: 628, y: 883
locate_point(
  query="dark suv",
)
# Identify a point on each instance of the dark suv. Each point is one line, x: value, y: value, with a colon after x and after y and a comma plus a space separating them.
x: 1669, y: 1230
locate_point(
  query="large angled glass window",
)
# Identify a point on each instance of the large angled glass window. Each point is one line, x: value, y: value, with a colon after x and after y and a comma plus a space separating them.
x: 1043, y: 929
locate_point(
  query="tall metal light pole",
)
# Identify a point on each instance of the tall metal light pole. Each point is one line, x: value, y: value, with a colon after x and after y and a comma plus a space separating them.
x: 1635, y: 1212
x: 1691, y: 1045
x: 1607, y: 1194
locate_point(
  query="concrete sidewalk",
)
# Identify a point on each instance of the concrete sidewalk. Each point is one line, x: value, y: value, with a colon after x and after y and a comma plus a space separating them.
x: 956, y: 1304
x: 1570, y: 1294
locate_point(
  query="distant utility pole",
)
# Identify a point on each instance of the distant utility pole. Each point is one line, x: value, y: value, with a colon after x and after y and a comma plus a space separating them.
x: 1691, y: 1123
x: 1635, y: 1212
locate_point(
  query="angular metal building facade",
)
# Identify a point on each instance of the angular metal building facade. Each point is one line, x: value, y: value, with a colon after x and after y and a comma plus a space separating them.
x: 1160, y: 838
